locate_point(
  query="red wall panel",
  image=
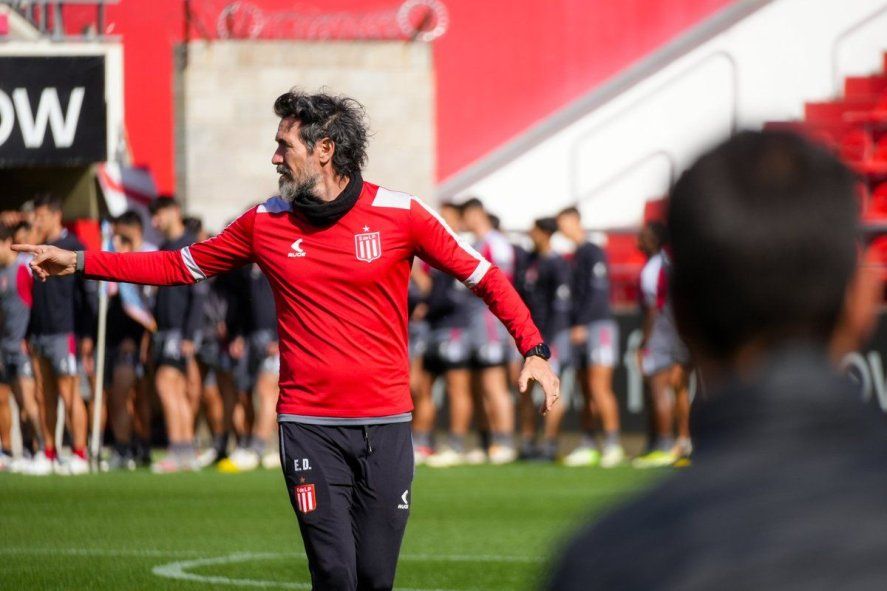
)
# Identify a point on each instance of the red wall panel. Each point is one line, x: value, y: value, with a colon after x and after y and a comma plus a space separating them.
x: 501, y: 66
x: 504, y: 65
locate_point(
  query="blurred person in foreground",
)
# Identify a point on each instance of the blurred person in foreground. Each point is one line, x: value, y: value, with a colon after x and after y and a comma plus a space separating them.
x: 594, y: 336
x: 770, y: 292
x: 337, y: 252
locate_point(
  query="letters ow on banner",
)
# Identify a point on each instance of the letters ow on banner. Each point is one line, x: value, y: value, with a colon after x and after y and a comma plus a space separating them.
x: 52, y: 110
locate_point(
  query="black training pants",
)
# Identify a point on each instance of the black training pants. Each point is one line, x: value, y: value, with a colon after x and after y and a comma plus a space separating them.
x: 350, y: 488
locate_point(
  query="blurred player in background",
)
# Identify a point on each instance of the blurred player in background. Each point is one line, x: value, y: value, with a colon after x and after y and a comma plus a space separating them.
x: 651, y: 238
x: 177, y: 310
x: 221, y: 325
x: 421, y: 381
x: 262, y: 360
x: 449, y: 354
x: 6, y: 456
x: 666, y: 362
x: 194, y: 378
x: 488, y: 340
x: 16, y: 375
x: 545, y: 287
x: 594, y: 336
x: 130, y: 324
x: 60, y: 316
x: 130, y: 228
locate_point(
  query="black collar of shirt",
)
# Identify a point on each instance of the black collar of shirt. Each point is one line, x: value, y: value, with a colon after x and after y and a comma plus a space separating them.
x: 326, y: 213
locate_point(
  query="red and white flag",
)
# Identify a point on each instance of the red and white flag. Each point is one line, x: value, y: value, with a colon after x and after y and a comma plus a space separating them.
x: 306, y: 500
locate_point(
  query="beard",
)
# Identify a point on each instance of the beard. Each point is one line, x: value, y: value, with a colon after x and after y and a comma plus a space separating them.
x: 295, y: 190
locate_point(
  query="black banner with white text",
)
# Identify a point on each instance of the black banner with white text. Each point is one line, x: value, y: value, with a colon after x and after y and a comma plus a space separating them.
x: 52, y: 111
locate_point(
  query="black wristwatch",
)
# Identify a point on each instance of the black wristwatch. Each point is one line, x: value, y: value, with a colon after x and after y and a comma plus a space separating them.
x: 540, y: 350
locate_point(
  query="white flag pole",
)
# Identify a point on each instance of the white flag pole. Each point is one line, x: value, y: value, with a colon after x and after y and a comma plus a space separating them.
x: 98, y: 391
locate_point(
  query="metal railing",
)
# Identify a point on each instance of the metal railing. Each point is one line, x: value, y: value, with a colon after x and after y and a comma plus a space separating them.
x: 575, y: 149
x: 837, y: 78
x: 48, y: 17
x: 633, y: 166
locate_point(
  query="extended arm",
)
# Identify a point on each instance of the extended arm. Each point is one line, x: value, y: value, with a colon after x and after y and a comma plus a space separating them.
x: 232, y: 248
x: 436, y: 243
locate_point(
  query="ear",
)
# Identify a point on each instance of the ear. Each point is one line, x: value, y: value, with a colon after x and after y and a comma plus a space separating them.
x: 861, y: 305
x: 325, y: 149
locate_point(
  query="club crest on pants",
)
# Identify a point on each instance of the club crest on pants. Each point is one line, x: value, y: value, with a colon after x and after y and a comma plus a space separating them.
x: 306, y: 500
x: 367, y: 247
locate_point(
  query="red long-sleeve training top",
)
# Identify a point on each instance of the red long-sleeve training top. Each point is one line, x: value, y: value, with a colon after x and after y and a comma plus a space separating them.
x: 341, y: 293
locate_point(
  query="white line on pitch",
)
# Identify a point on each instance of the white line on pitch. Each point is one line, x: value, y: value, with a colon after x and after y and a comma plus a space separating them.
x: 266, y: 555
x: 177, y: 571
x: 101, y: 552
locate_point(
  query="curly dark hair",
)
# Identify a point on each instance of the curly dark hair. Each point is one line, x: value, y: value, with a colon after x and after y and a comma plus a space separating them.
x: 340, y: 118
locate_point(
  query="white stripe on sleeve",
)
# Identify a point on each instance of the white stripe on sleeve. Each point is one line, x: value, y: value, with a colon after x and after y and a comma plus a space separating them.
x: 483, y: 265
x: 192, y: 266
x: 479, y: 272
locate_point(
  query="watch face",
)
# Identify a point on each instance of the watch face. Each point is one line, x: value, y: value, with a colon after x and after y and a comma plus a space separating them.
x: 540, y: 350
x: 545, y: 351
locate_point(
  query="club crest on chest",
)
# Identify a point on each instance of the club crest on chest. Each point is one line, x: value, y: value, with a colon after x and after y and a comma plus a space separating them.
x: 367, y: 245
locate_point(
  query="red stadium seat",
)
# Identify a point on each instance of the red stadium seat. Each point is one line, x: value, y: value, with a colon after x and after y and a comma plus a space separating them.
x: 875, y: 166
x: 876, y: 210
x: 856, y: 146
x: 880, y: 151
x: 832, y: 112
x: 873, y: 116
x: 655, y: 210
x: 626, y: 262
x: 863, y: 197
x: 865, y: 87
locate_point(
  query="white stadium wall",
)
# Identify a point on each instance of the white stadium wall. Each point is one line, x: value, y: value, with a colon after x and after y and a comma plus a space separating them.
x: 225, y: 123
x: 621, y: 152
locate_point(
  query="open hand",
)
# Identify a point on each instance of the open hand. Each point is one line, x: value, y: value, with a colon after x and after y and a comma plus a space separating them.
x: 539, y: 370
x: 49, y: 261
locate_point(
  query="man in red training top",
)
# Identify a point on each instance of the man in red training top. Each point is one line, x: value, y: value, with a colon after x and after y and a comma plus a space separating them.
x: 337, y: 252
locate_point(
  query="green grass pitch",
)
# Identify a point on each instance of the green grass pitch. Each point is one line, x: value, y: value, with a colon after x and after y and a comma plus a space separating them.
x: 479, y: 528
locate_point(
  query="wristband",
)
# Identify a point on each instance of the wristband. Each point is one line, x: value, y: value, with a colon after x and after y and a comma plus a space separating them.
x: 81, y: 261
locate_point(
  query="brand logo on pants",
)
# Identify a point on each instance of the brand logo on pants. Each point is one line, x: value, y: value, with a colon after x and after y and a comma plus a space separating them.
x: 406, y: 503
x: 306, y: 500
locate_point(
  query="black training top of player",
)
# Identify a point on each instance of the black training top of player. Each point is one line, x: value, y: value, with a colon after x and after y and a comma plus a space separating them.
x: 179, y: 307
x: 591, y: 285
x: 545, y: 287
x: 62, y: 305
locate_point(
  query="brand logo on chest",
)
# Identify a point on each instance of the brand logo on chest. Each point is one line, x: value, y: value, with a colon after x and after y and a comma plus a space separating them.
x: 368, y: 245
x: 296, y: 249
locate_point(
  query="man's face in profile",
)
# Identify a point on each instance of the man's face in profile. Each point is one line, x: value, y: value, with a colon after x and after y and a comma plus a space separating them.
x: 297, y: 166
